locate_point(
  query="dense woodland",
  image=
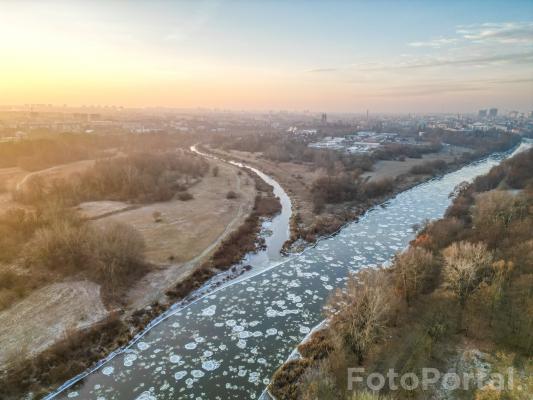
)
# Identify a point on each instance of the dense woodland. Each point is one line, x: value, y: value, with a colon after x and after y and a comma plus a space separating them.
x: 465, y: 281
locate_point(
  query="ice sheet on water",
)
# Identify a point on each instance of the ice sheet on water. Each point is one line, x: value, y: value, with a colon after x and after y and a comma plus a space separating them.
x: 197, y: 373
x: 142, y: 346
x: 210, y: 365
x: 175, y: 359
x: 146, y: 396
x: 209, y: 311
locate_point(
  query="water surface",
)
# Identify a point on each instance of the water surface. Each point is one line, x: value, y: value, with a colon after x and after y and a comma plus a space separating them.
x: 226, y: 345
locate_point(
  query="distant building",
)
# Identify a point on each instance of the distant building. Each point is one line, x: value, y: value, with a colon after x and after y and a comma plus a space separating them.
x: 482, y: 113
x: 479, y: 126
x: 324, y: 118
x: 493, y: 112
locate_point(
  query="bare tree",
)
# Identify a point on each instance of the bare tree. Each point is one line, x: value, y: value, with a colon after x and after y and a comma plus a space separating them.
x: 465, y: 264
x: 358, y: 313
x: 413, y: 269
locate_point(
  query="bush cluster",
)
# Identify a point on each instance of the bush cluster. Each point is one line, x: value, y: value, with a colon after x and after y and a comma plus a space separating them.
x: 139, y: 178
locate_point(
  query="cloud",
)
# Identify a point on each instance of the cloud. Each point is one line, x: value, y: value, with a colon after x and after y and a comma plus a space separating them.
x: 428, y: 62
x: 505, y: 32
x: 429, y: 89
x: 435, y: 43
x: 487, y: 33
x: 313, y: 70
x: 473, y: 60
x: 481, y: 45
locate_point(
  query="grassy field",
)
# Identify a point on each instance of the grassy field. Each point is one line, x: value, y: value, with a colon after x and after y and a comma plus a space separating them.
x: 393, y: 169
x: 16, y: 178
x: 48, y: 315
x: 185, y: 228
x: 179, y: 235
x: 183, y: 233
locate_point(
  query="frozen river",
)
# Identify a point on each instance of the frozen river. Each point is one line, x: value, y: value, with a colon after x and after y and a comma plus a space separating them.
x: 227, y: 344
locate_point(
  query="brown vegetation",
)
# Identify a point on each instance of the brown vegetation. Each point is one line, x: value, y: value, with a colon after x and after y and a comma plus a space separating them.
x: 236, y: 245
x: 468, y: 275
x: 139, y: 178
x: 429, y: 168
x: 231, y: 195
x: 70, y: 356
x: 345, y: 188
x: 33, y: 155
x: 52, y: 242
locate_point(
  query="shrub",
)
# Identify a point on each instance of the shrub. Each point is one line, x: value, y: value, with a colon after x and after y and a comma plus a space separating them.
x: 334, y: 189
x: 284, y: 384
x: 267, y: 205
x: 231, y: 195
x: 318, y: 346
x: 156, y: 215
x: 119, y: 254
x: 60, y: 247
x: 185, y: 196
x: 139, y: 177
x: 429, y: 167
x: 113, y: 254
x: 371, y: 190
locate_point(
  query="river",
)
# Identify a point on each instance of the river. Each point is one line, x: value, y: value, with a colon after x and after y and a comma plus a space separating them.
x: 227, y: 344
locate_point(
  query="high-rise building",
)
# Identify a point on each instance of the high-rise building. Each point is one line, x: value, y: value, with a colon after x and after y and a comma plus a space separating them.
x: 493, y: 112
x: 324, y: 118
x: 482, y: 113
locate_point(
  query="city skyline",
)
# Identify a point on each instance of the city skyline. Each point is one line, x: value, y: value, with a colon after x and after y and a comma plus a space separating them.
x: 335, y: 57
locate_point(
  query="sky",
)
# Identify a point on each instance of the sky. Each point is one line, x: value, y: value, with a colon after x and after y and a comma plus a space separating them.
x: 333, y: 56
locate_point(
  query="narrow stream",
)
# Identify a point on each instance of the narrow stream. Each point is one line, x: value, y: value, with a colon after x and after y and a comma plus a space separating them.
x: 276, y: 229
x: 227, y: 344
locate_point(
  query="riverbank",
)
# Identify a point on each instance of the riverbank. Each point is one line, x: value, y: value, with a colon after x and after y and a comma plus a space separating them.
x: 193, y: 350
x: 307, y: 225
x: 260, y: 318
x: 421, y: 321
x: 78, y: 350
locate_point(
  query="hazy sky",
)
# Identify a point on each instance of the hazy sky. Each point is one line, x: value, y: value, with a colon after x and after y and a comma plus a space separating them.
x: 320, y: 55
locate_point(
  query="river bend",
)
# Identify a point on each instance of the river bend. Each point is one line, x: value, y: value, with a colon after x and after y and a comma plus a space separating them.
x: 227, y: 344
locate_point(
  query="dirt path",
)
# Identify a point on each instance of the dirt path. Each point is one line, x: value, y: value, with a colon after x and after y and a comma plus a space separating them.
x: 61, y: 170
x: 154, y: 285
